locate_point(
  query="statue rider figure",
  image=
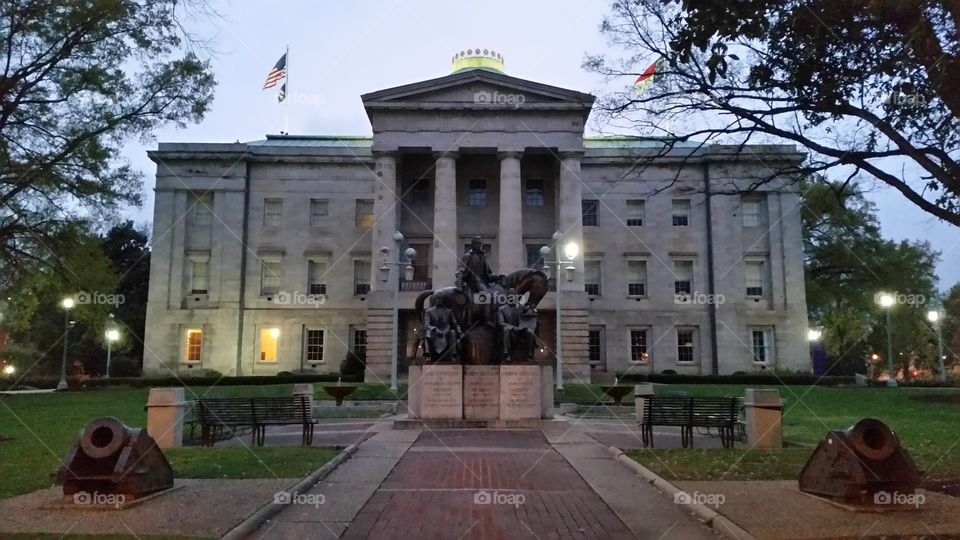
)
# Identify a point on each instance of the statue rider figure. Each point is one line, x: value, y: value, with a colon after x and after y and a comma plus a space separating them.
x: 511, y: 318
x: 441, y: 333
x: 474, y: 276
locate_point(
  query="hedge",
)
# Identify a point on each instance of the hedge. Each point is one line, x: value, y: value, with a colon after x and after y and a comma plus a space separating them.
x: 143, y: 382
x: 830, y: 380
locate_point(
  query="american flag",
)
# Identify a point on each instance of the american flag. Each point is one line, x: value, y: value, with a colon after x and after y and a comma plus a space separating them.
x: 277, y: 74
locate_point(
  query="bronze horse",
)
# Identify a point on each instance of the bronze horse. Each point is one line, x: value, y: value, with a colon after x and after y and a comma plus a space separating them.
x: 475, y: 318
x: 525, y: 280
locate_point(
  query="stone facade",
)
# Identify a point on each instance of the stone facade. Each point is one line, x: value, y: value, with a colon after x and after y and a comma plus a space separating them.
x: 267, y: 254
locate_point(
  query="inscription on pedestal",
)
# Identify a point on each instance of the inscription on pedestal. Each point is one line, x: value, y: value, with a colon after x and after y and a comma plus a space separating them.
x: 441, y: 392
x: 520, y: 392
x: 481, y: 392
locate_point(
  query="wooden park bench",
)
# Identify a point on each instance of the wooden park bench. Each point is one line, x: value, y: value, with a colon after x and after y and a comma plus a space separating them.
x: 690, y: 412
x: 256, y: 413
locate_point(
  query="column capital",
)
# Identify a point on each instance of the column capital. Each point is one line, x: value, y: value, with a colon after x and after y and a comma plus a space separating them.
x: 452, y: 154
x: 508, y: 154
x: 570, y: 154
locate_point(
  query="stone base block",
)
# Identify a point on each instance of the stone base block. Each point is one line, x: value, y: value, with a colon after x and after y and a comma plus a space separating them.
x: 520, y: 397
x: 441, y: 392
x: 481, y: 392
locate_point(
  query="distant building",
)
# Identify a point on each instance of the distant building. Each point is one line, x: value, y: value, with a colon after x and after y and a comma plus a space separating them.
x: 266, y: 255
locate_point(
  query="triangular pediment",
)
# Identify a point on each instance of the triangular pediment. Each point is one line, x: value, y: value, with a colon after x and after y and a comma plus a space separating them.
x: 477, y: 87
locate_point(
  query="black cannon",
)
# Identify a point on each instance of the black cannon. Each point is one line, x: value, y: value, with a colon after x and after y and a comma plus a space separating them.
x: 860, y: 465
x: 110, y: 458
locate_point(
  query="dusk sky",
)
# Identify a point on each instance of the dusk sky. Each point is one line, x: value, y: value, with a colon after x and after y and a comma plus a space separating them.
x: 340, y: 50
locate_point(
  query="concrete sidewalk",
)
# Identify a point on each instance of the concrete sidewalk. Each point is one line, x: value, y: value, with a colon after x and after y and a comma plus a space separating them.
x: 327, y: 509
x: 643, y: 508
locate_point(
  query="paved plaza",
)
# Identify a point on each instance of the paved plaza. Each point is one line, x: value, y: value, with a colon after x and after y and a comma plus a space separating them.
x: 555, y: 483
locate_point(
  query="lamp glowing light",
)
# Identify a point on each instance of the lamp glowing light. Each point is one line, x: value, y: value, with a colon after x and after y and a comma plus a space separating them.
x: 67, y: 303
x: 571, y: 250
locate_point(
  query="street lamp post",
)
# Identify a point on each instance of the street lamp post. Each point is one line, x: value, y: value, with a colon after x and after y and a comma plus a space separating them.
x: 67, y: 305
x: 112, y: 334
x: 934, y: 317
x: 570, y: 250
x: 386, y: 263
x: 886, y: 302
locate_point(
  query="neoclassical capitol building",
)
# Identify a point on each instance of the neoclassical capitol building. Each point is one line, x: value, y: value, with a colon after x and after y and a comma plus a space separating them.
x: 287, y: 253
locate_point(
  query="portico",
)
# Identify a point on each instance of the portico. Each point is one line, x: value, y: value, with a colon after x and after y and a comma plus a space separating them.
x: 461, y: 174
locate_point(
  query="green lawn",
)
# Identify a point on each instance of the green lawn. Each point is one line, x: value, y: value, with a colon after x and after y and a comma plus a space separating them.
x: 929, y: 431
x: 700, y: 464
x: 37, y: 430
x: 253, y: 462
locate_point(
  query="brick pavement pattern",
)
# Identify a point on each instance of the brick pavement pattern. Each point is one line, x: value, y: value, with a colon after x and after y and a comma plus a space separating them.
x: 485, y: 485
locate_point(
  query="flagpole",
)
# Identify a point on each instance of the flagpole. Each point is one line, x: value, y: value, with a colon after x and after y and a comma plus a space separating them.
x: 286, y: 98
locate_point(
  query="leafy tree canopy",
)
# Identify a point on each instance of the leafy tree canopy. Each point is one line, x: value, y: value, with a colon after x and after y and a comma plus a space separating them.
x: 79, y: 79
x: 865, y: 86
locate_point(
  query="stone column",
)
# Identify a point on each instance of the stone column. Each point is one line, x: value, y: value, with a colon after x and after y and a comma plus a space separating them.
x: 446, y: 244
x: 510, y: 253
x: 569, y: 213
x: 380, y: 327
x: 385, y: 193
x: 574, y: 303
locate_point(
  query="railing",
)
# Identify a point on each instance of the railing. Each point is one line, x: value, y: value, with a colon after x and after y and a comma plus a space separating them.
x: 416, y: 284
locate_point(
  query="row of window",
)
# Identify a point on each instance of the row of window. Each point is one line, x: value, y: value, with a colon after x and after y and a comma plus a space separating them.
x: 268, y: 344
x: 686, y: 340
x: 640, y: 348
x: 683, y: 284
x: 317, y: 268
x: 751, y: 207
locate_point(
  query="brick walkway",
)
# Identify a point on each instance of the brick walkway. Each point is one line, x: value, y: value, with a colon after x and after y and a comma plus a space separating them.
x: 485, y: 484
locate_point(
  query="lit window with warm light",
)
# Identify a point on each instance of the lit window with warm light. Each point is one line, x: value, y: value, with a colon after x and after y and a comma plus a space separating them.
x: 193, y: 346
x: 269, y: 339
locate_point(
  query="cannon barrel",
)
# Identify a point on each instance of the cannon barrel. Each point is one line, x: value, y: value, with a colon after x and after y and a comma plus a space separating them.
x: 872, y: 439
x: 104, y: 437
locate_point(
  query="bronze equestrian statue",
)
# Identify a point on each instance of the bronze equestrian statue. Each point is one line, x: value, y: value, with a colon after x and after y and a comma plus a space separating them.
x: 476, y: 322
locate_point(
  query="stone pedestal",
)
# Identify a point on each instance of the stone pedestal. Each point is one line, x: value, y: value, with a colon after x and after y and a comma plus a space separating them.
x: 481, y: 392
x: 413, y: 391
x: 478, y: 396
x: 165, y: 410
x: 520, y: 392
x: 441, y: 392
x: 764, y: 414
x: 640, y: 394
x: 546, y: 392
